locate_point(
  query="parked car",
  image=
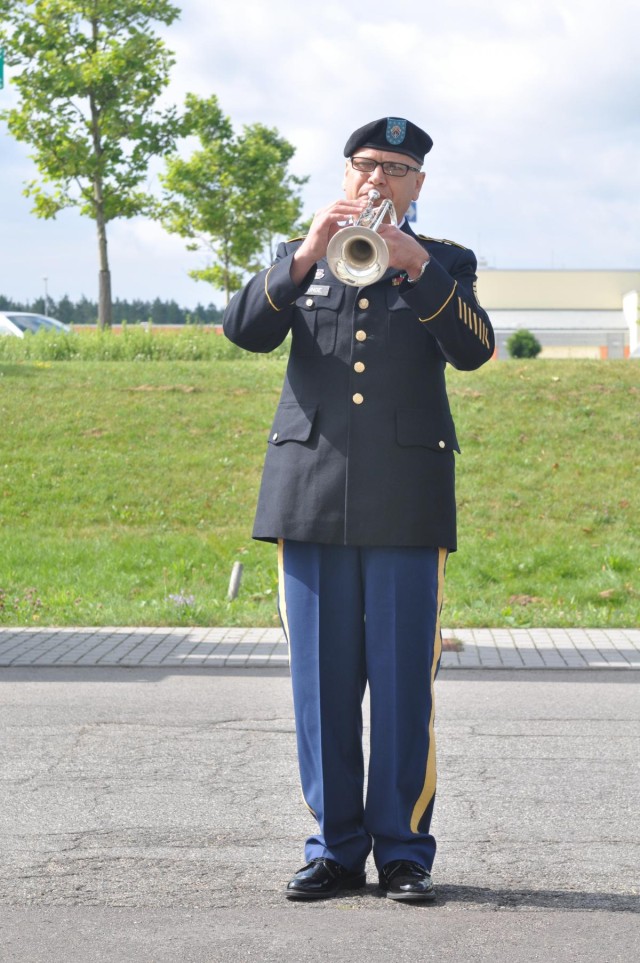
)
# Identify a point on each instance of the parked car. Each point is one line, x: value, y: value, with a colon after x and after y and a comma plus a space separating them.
x: 20, y: 323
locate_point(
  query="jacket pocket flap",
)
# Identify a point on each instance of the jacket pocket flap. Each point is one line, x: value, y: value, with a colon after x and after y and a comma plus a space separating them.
x: 416, y: 426
x: 292, y: 423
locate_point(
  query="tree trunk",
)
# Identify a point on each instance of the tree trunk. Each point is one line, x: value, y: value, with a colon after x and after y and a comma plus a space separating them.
x: 105, y: 313
x: 227, y: 286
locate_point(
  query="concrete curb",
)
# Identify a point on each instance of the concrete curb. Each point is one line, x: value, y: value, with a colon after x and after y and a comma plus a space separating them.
x: 535, y: 648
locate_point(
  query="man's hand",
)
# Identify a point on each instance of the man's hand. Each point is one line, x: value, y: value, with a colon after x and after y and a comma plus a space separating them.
x: 405, y: 253
x: 325, y: 224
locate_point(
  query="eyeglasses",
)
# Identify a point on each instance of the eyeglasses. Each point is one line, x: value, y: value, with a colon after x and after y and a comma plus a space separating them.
x: 366, y: 165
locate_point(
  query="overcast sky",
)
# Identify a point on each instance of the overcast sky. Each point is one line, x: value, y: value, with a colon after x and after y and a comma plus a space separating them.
x: 533, y: 106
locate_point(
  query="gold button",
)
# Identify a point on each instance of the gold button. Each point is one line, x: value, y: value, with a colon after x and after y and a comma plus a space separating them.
x: 359, y: 367
x: 442, y: 444
x: 361, y: 335
x: 357, y: 398
x: 363, y: 303
x: 274, y: 437
x: 309, y: 302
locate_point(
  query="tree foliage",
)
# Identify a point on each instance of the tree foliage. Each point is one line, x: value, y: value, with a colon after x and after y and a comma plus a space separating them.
x: 90, y: 74
x: 85, y: 311
x: 232, y: 196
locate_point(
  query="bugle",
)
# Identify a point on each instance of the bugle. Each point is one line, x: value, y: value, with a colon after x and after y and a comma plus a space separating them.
x: 357, y: 255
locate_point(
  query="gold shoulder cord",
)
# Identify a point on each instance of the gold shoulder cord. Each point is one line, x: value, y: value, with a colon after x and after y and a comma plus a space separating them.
x: 442, y: 240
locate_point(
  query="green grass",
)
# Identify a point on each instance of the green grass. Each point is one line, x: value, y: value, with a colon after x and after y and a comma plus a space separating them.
x: 131, y: 343
x: 127, y: 491
x: 548, y: 495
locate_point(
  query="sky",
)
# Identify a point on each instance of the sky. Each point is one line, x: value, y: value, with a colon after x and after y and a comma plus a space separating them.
x: 534, y: 109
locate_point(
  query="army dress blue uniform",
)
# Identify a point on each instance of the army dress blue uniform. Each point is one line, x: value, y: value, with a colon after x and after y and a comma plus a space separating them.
x: 358, y: 491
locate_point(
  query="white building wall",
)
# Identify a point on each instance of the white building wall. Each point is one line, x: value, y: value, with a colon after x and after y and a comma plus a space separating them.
x: 560, y: 290
x: 571, y: 313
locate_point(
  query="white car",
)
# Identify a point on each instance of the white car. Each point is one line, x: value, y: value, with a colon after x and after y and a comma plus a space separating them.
x: 20, y: 323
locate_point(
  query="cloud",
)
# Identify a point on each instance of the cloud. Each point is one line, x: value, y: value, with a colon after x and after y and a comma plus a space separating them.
x: 532, y: 107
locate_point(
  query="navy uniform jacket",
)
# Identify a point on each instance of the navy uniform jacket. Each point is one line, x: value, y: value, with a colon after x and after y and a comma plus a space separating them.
x: 361, y: 450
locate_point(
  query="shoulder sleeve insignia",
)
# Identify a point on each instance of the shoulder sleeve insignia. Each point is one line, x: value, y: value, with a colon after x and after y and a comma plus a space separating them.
x: 442, y: 240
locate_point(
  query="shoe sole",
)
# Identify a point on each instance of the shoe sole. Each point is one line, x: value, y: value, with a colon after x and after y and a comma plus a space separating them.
x: 411, y: 897
x: 344, y: 887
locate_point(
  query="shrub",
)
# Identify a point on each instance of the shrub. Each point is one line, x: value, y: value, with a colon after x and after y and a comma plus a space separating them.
x: 523, y: 344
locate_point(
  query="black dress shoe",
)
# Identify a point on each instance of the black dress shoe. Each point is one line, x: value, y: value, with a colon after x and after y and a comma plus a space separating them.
x: 322, y: 878
x: 405, y: 880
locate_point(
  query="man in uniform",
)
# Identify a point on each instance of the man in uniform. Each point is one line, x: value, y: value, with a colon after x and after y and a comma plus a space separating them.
x: 358, y: 492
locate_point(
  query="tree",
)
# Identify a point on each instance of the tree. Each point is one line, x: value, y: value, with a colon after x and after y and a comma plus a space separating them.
x: 523, y: 344
x: 232, y: 196
x: 92, y: 71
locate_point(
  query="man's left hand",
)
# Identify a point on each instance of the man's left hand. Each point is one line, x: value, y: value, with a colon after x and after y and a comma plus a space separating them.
x: 405, y: 253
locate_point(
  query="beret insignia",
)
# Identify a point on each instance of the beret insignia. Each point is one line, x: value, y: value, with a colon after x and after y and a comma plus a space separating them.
x: 396, y: 130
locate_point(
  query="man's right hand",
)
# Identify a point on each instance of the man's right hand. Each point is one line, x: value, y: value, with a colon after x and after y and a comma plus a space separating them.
x: 326, y: 222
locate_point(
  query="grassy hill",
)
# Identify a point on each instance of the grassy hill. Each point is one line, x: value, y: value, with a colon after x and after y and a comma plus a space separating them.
x: 127, y: 491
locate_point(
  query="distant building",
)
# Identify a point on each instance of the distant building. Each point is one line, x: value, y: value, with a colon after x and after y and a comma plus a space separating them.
x: 573, y: 314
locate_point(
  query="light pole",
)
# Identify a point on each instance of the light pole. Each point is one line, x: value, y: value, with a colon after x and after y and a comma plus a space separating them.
x: 46, y: 296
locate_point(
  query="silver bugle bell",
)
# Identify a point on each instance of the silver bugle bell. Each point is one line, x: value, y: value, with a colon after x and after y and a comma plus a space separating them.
x: 357, y: 255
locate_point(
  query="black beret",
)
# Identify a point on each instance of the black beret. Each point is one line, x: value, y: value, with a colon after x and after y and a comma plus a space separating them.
x: 391, y: 133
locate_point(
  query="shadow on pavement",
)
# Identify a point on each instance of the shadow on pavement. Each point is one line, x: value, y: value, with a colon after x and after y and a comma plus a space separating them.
x: 518, y: 899
x: 540, y: 899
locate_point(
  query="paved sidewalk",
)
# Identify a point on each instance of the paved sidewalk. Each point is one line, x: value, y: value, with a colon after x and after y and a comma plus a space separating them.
x: 266, y: 648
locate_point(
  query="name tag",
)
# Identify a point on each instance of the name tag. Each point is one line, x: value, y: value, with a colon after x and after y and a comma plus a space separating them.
x: 320, y: 290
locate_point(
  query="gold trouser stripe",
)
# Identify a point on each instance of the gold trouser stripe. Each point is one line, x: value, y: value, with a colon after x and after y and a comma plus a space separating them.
x: 429, y: 788
x: 282, y: 601
x: 424, y: 320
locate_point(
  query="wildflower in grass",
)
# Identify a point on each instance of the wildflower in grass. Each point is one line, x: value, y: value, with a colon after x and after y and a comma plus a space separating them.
x: 182, y: 600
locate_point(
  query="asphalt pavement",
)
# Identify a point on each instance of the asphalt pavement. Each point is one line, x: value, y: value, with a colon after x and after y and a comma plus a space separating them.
x: 152, y: 812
